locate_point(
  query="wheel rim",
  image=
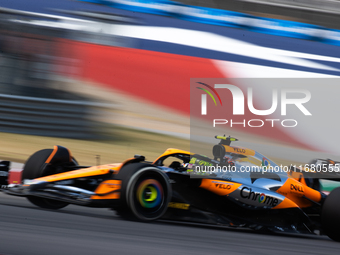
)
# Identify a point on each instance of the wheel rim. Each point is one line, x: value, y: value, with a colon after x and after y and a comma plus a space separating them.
x: 150, y: 193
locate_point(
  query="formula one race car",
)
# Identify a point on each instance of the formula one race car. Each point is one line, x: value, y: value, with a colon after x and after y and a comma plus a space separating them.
x: 242, y: 188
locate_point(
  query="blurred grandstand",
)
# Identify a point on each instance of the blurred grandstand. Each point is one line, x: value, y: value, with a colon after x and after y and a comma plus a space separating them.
x: 44, y: 88
x: 35, y: 73
x: 318, y: 12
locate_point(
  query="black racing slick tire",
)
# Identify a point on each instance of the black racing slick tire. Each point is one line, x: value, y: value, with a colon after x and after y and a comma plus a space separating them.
x: 330, y: 215
x: 145, y: 192
x: 35, y: 168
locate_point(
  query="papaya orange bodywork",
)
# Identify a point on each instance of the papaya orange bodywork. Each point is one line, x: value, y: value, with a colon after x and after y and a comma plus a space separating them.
x: 297, y: 176
x: 55, y: 149
x: 299, y: 193
x: 286, y: 203
x: 84, y: 172
x: 221, y: 188
x: 239, y: 150
x: 172, y: 151
x: 109, y: 189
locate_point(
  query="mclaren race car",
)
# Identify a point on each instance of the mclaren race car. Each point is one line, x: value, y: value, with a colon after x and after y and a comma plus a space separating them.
x: 237, y: 187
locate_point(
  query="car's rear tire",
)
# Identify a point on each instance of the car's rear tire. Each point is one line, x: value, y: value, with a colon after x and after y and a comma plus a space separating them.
x: 145, y: 192
x: 35, y: 168
x: 330, y: 215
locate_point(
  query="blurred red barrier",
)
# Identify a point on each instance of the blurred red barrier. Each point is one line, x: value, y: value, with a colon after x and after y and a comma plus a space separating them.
x: 161, y: 78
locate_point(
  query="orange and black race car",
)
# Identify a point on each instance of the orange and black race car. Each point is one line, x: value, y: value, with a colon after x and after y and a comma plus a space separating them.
x: 238, y: 187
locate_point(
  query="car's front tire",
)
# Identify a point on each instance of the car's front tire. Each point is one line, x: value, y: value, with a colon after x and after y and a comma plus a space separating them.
x: 145, y: 192
x: 35, y: 168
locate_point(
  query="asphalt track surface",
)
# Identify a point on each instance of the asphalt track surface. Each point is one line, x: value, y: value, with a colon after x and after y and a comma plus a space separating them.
x: 26, y: 229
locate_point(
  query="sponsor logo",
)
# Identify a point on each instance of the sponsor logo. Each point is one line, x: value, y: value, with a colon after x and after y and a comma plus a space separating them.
x: 294, y: 187
x: 265, y: 163
x: 261, y: 198
x: 238, y: 150
x: 222, y: 186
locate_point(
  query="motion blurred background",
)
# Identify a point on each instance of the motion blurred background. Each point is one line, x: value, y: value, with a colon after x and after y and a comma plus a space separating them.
x: 111, y: 78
